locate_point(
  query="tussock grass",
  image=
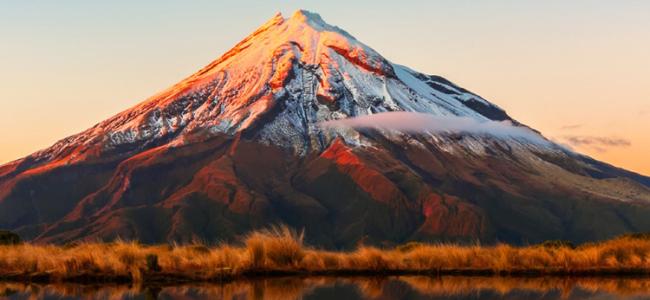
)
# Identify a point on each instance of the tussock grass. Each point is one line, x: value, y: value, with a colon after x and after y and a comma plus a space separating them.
x: 282, y: 251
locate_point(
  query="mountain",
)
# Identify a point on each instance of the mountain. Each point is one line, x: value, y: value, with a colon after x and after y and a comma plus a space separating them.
x: 239, y: 145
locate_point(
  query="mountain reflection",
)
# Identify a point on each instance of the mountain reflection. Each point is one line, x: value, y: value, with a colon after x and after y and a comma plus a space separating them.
x: 402, y: 287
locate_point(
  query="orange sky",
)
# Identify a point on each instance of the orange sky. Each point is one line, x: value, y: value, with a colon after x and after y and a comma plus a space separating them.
x: 579, y: 72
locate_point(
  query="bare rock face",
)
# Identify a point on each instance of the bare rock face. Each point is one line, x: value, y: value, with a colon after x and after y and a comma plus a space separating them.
x: 237, y: 146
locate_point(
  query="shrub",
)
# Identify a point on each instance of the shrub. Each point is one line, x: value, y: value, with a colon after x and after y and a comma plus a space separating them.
x: 556, y: 244
x: 408, y: 247
x: 637, y: 236
x: 9, y: 238
x: 152, y: 263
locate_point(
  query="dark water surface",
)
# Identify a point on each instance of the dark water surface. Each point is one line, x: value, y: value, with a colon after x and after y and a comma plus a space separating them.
x: 402, y: 287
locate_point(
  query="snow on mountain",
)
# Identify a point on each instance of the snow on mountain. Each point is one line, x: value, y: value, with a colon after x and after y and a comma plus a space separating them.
x: 241, y: 144
x: 301, y: 69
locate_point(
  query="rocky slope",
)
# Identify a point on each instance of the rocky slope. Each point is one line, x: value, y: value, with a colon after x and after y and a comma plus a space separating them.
x: 238, y: 146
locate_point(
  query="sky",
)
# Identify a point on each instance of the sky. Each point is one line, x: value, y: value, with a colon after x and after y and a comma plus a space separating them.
x: 578, y: 71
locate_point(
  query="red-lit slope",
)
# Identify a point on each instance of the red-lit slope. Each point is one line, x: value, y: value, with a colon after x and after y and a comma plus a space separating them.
x: 238, y: 146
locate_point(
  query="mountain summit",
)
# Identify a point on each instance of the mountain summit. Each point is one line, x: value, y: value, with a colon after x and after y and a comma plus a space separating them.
x: 301, y: 69
x: 240, y: 145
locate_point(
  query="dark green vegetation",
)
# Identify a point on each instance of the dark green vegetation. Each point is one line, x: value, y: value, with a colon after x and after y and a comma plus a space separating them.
x: 152, y: 263
x: 9, y: 238
x: 558, y: 244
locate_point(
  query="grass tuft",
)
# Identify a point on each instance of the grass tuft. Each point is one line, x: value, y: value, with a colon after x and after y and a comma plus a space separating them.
x: 281, y: 249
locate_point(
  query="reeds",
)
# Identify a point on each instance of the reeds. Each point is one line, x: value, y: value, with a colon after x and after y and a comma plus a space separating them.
x: 281, y: 251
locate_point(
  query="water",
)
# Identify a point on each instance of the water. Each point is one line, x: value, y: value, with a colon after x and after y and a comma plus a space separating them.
x: 403, y: 287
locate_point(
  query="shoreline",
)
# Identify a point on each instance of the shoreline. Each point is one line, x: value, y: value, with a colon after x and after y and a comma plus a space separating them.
x: 365, y: 287
x: 163, y: 278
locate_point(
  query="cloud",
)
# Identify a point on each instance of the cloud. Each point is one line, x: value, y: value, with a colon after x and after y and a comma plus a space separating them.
x: 571, y: 127
x: 412, y: 122
x: 595, y: 140
x: 597, y: 143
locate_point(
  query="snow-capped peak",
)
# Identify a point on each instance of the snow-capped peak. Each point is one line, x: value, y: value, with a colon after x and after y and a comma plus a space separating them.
x: 315, y: 21
x: 304, y: 16
x: 278, y: 84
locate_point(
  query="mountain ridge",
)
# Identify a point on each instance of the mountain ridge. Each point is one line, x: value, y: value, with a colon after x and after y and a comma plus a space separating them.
x: 238, y: 146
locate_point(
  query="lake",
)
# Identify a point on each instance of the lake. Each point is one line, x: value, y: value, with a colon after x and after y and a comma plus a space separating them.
x: 342, y: 288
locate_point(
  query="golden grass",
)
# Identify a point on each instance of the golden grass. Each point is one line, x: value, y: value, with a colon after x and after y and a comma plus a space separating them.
x: 281, y: 251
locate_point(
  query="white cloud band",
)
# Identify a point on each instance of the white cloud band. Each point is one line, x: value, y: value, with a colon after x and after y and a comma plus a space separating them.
x: 413, y: 122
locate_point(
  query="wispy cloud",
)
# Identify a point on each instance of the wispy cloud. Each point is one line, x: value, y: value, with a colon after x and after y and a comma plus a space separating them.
x: 571, y: 127
x: 412, y: 122
x: 597, y: 143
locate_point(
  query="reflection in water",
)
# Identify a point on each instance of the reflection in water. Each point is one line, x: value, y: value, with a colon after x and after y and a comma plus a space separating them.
x: 402, y: 287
